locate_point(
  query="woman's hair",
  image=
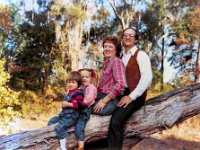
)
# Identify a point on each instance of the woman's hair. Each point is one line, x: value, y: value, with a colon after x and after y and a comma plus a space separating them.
x: 134, y: 29
x: 91, y: 71
x: 75, y: 75
x: 115, y: 41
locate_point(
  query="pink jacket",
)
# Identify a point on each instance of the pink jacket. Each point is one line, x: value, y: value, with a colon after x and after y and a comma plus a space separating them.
x: 90, y: 94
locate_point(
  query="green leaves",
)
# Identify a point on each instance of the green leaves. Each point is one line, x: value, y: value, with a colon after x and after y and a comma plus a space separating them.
x: 8, y: 98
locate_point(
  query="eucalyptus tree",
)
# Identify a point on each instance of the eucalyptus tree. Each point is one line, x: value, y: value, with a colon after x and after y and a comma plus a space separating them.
x: 195, y: 28
x: 163, y: 19
x: 185, y: 44
x: 69, y: 18
x: 124, y: 11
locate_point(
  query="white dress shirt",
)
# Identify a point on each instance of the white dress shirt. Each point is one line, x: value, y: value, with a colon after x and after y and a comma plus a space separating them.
x: 145, y: 71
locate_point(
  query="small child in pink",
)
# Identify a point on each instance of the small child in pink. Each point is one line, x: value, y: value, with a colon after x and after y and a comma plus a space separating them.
x: 90, y: 93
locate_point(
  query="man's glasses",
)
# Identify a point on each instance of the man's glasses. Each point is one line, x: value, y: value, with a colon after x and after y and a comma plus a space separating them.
x: 128, y: 35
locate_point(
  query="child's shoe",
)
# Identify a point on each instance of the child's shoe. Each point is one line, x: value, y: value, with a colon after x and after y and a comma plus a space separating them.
x: 59, y: 148
x: 79, y: 148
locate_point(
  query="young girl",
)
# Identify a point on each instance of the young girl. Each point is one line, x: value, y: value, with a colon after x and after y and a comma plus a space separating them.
x: 71, y: 106
x: 90, y: 93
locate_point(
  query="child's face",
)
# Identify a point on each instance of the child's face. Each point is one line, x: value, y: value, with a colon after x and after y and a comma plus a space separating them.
x: 72, y: 84
x: 86, y: 77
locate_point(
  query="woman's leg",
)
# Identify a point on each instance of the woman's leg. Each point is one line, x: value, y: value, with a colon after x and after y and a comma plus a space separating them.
x: 109, y: 107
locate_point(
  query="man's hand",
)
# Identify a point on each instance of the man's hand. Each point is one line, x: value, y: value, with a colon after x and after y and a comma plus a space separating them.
x: 124, y: 101
x: 99, y: 106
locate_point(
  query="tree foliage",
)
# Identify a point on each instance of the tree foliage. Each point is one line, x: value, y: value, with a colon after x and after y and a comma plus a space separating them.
x: 5, y: 17
x: 69, y: 19
x: 37, y: 57
x: 9, y: 102
x: 185, y: 56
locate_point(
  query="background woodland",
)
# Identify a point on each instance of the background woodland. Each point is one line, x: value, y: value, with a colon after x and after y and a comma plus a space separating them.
x: 38, y: 47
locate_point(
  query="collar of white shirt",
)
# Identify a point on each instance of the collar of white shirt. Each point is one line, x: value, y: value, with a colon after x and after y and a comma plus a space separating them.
x: 131, y: 51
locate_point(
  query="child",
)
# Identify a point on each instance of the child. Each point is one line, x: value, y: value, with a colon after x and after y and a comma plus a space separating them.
x: 71, y: 105
x: 89, y: 98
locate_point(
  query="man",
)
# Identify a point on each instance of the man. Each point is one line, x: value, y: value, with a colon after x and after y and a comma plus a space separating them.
x: 138, y: 78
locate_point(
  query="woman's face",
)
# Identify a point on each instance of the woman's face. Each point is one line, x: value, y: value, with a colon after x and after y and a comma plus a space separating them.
x: 109, y: 50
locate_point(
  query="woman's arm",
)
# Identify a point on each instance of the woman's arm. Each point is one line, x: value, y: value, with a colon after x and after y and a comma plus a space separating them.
x: 118, y: 73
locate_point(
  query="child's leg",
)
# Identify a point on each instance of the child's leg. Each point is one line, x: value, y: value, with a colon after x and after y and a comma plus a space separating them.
x: 80, y: 126
x: 81, y: 144
x: 63, y: 125
x: 63, y: 144
x: 53, y: 120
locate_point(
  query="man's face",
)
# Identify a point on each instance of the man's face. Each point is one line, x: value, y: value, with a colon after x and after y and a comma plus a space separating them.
x: 128, y: 38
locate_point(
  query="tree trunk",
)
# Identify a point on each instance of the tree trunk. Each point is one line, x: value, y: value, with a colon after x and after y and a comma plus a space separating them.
x: 125, y: 15
x: 197, y: 75
x: 162, y: 63
x: 75, y: 39
x: 160, y: 113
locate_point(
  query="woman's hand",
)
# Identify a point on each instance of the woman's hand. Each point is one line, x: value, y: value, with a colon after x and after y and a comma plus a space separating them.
x: 99, y: 106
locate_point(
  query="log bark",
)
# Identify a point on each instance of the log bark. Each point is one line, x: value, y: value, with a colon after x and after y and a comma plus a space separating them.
x: 160, y: 113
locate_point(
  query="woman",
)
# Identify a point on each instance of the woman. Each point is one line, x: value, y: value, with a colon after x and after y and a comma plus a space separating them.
x: 112, y: 79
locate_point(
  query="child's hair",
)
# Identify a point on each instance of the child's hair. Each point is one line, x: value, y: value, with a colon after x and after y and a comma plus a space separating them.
x: 92, y: 72
x: 74, y: 75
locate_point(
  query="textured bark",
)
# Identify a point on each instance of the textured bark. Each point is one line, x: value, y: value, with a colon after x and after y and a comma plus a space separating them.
x: 160, y: 113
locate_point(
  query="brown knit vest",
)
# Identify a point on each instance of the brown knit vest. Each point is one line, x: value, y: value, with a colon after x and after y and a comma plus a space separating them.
x: 133, y: 73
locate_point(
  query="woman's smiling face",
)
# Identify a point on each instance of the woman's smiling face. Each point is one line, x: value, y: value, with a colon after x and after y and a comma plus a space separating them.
x: 109, y: 49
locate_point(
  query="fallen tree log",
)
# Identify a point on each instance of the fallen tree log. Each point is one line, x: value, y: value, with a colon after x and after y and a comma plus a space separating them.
x: 161, y: 112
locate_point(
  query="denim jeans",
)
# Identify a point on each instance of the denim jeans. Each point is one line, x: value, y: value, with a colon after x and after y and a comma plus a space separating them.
x: 110, y: 106
x: 65, y: 121
x: 84, y: 116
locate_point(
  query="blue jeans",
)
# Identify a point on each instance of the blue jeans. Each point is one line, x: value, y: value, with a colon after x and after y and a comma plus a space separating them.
x: 65, y: 121
x: 84, y: 116
x: 110, y: 106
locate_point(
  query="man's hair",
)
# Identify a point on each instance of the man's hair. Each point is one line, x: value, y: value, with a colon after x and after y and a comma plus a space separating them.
x: 136, y: 32
x: 74, y: 75
x: 115, y: 41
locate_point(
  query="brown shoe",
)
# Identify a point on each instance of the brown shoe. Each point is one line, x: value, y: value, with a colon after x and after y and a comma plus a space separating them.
x: 79, y: 148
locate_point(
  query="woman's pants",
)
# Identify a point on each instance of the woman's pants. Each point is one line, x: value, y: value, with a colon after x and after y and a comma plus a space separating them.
x: 109, y: 107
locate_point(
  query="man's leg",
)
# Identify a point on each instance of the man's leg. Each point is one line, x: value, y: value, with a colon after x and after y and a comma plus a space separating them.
x: 119, y: 118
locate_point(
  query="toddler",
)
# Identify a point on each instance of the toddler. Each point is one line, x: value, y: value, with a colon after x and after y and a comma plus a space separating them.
x: 90, y: 93
x: 71, y: 106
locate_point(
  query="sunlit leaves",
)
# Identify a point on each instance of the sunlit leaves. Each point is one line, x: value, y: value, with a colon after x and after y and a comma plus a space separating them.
x: 5, y: 17
x: 8, y: 98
